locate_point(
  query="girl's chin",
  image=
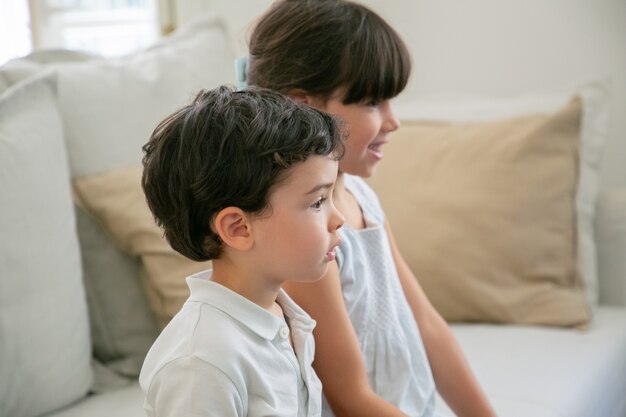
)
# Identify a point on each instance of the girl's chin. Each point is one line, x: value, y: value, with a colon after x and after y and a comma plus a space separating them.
x: 366, y: 170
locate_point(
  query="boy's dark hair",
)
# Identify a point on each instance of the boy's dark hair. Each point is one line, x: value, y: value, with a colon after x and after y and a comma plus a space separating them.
x: 321, y: 45
x: 227, y: 148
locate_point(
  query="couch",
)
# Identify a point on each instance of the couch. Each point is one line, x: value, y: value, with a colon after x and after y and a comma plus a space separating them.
x: 86, y: 282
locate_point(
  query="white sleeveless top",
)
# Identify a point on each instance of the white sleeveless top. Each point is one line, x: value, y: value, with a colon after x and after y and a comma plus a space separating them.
x: 394, y: 355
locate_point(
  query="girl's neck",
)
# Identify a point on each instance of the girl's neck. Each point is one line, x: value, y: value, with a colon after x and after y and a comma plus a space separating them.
x: 347, y: 204
x: 340, y: 186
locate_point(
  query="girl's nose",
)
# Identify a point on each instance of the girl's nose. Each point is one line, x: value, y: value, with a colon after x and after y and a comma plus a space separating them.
x: 390, y: 121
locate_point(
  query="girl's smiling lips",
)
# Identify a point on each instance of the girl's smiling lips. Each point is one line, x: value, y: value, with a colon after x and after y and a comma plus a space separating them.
x: 374, y: 149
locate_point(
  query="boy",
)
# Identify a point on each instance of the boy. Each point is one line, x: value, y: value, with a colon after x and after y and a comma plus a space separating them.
x: 243, y: 178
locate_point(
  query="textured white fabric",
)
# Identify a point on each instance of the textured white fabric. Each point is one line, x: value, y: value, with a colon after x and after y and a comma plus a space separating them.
x: 223, y: 355
x: 550, y: 372
x: 594, y: 132
x: 393, y: 351
x: 45, y: 349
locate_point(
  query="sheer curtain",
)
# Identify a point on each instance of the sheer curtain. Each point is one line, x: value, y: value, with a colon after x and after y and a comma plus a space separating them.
x: 15, y: 35
x: 102, y: 27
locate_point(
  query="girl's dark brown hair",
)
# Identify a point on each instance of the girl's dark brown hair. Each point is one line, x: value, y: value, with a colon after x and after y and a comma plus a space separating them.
x: 321, y: 45
x: 227, y: 148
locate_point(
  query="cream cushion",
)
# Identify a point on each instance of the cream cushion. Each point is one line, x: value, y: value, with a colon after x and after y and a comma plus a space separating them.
x: 117, y: 200
x: 45, y: 350
x: 485, y: 215
x: 596, y: 96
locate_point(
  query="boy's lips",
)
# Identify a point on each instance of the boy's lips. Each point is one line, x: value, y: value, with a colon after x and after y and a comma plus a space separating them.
x: 330, y: 255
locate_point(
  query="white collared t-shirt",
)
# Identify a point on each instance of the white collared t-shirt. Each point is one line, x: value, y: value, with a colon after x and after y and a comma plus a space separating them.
x: 223, y: 355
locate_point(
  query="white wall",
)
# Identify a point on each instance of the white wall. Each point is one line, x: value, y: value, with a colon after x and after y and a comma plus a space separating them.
x: 495, y: 47
x: 238, y: 15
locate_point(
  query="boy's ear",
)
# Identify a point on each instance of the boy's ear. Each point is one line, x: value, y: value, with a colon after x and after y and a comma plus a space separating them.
x: 233, y: 226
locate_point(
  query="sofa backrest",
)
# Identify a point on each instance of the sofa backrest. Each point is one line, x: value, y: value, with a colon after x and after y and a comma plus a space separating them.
x: 106, y: 110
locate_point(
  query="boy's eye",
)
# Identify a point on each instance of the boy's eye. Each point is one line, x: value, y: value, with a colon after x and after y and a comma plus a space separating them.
x: 318, y: 204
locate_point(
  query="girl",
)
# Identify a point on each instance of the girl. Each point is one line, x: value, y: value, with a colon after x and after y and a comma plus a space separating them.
x: 381, y: 346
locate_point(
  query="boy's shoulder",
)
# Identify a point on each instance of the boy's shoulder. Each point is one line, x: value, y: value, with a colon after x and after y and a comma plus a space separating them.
x: 202, y: 333
x: 215, y: 326
x: 229, y: 346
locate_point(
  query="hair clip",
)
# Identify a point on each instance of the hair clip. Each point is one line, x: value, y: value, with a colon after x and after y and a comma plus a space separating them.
x: 241, y: 72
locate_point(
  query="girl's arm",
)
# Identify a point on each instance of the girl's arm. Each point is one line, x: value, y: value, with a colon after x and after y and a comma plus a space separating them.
x: 453, y: 376
x: 338, y: 361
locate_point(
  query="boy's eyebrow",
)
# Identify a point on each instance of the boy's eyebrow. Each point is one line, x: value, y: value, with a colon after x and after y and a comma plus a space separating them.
x: 319, y: 187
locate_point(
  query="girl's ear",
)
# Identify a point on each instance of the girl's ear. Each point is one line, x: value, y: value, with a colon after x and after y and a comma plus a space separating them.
x: 302, y: 96
x: 299, y: 95
x: 233, y: 226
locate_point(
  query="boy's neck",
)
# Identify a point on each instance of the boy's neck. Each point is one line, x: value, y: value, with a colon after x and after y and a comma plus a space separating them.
x: 245, y: 283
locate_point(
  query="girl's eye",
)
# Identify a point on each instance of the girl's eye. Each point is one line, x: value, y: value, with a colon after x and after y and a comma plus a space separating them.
x: 318, y: 204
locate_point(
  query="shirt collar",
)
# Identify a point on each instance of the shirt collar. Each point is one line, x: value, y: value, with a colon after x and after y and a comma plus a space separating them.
x: 251, y: 315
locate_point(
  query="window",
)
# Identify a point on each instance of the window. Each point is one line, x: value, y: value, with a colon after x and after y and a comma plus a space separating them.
x: 15, y: 38
x: 105, y: 27
x: 102, y: 27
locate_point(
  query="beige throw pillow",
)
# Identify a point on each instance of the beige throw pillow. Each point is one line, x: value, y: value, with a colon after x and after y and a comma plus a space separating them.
x: 117, y: 200
x: 485, y: 215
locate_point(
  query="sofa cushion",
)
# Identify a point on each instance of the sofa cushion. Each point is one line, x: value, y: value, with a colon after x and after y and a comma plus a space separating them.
x: 123, y: 402
x: 117, y: 200
x: 611, y: 235
x: 40, y: 272
x: 19, y: 69
x: 550, y: 372
x: 485, y: 215
x: 122, y: 326
x: 594, y: 132
x: 110, y: 106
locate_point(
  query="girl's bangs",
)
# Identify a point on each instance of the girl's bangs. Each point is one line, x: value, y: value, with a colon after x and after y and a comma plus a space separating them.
x: 377, y: 69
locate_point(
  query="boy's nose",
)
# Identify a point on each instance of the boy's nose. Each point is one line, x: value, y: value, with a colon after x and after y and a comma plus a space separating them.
x: 336, y: 220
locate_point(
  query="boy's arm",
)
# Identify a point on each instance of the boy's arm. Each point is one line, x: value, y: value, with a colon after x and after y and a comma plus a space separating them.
x: 191, y: 387
x: 454, y: 378
x: 338, y: 361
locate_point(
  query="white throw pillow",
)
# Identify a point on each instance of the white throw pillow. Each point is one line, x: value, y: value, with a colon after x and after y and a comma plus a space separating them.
x: 111, y: 106
x: 594, y: 133
x: 45, y: 350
